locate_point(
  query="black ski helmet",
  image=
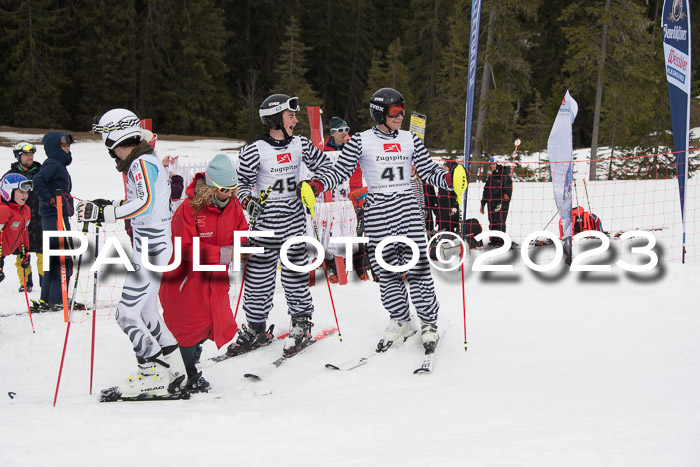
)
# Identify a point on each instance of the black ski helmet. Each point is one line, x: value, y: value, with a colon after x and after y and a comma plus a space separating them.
x: 380, y: 102
x: 272, y: 107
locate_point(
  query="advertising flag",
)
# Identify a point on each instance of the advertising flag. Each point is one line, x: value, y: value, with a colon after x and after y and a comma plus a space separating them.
x: 561, y: 158
x: 471, y: 85
x: 675, y: 26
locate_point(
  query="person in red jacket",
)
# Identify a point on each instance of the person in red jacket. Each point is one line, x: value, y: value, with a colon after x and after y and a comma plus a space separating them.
x: 196, y: 303
x: 14, y: 218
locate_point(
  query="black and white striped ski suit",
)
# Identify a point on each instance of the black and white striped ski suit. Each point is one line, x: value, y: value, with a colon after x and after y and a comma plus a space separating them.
x: 391, y: 208
x: 263, y: 165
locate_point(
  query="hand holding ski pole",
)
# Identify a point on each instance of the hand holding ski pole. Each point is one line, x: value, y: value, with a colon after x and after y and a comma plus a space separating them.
x: 307, y: 192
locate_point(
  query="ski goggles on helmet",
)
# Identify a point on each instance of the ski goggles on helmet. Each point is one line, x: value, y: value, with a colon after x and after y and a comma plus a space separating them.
x: 25, y: 185
x: 341, y: 130
x: 291, y: 104
x: 395, y: 110
x: 67, y: 139
x: 25, y: 147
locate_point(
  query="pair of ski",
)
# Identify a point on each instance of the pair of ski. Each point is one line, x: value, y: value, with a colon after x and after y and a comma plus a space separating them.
x: 425, y: 367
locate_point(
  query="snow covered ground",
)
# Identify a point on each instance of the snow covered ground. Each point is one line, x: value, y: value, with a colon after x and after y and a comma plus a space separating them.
x: 575, y: 369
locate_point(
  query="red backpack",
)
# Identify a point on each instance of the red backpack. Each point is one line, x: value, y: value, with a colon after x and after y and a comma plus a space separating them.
x: 581, y: 220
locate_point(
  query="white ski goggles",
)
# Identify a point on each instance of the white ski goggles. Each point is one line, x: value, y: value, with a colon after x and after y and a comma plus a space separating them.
x: 26, y: 185
x: 292, y: 104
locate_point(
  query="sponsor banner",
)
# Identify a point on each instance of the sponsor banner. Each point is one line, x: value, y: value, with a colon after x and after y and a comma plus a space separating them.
x: 471, y: 84
x: 675, y: 26
x: 561, y: 157
x: 418, y: 124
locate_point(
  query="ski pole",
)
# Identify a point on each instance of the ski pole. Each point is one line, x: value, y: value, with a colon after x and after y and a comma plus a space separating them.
x: 26, y: 294
x: 309, y: 200
x: 253, y: 219
x: 585, y: 186
x: 77, y: 275
x: 460, y: 183
x: 94, y: 304
x: 64, y: 289
x: 576, y: 190
x: 464, y: 307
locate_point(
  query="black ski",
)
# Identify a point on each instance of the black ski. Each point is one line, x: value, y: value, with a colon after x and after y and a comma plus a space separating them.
x: 258, y: 375
x: 114, y: 395
x: 236, y: 352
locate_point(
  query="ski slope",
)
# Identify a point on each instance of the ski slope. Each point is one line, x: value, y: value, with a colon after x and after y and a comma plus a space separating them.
x: 575, y: 369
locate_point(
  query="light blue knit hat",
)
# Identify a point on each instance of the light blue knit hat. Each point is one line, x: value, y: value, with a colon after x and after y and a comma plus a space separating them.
x: 220, y: 172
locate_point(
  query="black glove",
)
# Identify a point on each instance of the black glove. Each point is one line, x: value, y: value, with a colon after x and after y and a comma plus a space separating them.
x: 102, y: 202
x: 315, y: 185
x: 26, y: 258
x: 253, y: 208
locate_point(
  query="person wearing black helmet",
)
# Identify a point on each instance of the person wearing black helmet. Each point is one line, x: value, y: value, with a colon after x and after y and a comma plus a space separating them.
x: 27, y: 166
x: 274, y: 161
x: 386, y: 154
x: 496, y: 196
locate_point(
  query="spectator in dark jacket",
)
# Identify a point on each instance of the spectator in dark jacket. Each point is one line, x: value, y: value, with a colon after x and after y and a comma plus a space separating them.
x: 53, y: 176
x: 497, y: 192
x: 25, y: 165
x: 447, y: 207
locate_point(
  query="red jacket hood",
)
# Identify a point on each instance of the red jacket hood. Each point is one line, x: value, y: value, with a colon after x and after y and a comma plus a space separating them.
x: 191, y: 187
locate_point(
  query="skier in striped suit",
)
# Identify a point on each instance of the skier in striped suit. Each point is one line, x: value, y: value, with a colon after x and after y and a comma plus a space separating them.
x: 385, y: 154
x: 147, y: 205
x: 274, y: 160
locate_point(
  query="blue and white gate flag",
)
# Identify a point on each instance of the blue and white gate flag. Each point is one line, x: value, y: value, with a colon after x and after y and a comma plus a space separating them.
x: 471, y: 85
x: 561, y: 156
x: 675, y: 24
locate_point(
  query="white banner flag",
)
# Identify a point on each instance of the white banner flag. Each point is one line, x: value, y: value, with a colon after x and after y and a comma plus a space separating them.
x: 561, y: 156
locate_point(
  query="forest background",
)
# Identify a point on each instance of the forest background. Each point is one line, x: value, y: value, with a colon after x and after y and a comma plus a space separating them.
x: 203, y: 67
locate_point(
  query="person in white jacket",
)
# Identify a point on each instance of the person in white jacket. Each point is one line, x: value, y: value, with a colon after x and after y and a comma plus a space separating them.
x: 161, y: 369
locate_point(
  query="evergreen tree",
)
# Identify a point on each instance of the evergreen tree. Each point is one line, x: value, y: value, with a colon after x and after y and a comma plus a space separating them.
x: 291, y: 67
x: 426, y: 37
x: 627, y: 115
x: 506, y: 75
x: 447, y: 114
x: 192, y: 98
x: 388, y: 72
x: 105, y: 50
x: 359, y: 62
x: 34, y: 71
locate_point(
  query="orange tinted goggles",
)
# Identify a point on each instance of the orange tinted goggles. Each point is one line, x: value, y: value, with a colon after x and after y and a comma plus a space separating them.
x: 395, y: 110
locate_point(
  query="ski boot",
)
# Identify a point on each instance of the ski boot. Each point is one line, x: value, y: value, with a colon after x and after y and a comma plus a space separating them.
x: 429, y: 336
x: 39, y: 306
x: 171, y: 358
x: 151, y: 382
x: 299, y: 335
x: 396, y: 332
x: 42, y: 306
x: 250, y: 338
x: 197, y: 383
x: 29, y: 288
